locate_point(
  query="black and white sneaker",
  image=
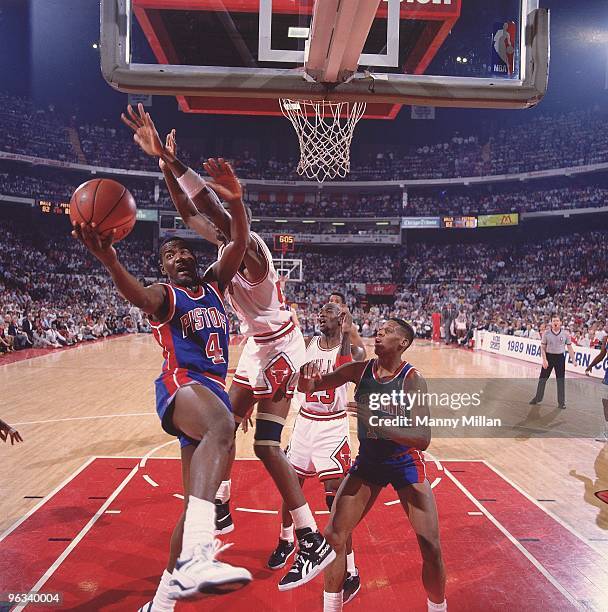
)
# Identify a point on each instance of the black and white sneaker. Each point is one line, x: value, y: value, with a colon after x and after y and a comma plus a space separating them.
x: 146, y: 607
x: 280, y: 554
x: 314, y: 555
x: 202, y: 573
x: 223, y: 518
x: 351, y: 586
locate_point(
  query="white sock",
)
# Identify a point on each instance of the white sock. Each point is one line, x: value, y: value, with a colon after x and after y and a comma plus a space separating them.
x: 332, y: 602
x: 302, y: 517
x: 161, y: 601
x: 287, y: 533
x: 223, y: 493
x: 199, y: 526
x: 433, y: 607
x: 350, y: 563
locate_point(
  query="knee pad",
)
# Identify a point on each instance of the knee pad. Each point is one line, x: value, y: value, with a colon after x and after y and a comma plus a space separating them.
x: 268, y: 429
x: 329, y: 499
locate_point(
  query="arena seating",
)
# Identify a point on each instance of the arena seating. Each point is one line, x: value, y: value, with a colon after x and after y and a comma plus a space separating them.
x: 504, y: 289
x: 544, y: 142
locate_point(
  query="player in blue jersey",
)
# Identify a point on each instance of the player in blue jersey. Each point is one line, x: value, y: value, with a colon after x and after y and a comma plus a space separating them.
x: 191, y: 326
x: 388, y: 454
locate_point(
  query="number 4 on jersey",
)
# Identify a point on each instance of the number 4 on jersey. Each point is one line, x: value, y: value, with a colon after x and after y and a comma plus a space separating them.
x: 214, y: 350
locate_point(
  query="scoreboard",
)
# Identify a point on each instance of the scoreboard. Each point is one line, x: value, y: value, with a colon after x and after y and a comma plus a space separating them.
x: 284, y: 242
x: 53, y: 208
x: 459, y: 222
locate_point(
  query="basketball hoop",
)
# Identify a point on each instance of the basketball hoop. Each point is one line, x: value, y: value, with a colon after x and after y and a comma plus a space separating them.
x: 325, y: 132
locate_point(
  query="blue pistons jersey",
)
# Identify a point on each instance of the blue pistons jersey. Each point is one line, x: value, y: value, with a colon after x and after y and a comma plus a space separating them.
x: 194, y: 337
x: 382, y: 461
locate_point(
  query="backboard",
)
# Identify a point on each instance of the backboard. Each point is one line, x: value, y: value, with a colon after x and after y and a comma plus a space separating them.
x: 241, y: 56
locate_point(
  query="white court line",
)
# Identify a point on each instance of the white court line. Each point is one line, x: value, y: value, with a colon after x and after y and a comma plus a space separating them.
x: 524, y: 551
x: 86, y: 418
x: 475, y: 513
x: 46, y: 499
x: 436, y: 461
x: 547, y: 511
x: 321, y: 511
x: 433, y: 485
x: 145, y: 458
x: 258, y: 511
x: 113, y: 511
x: 49, y: 572
x: 150, y: 481
x: 178, y: 495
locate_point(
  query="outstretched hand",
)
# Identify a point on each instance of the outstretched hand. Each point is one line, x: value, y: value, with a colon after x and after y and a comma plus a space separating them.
x: 145, y: 132
x: 347, y: 321
x: 99, y: 246
x: 170, y: 147
x: 223, y: 180
x: 309, y: 375
x: 6, y: 432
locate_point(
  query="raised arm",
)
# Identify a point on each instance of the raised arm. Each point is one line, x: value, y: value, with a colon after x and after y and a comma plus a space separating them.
x: 204, y: 198
x: 152, y: 300
x: 355, y: 338
x: 348, y: 348
x: 312, y: 380
x: 190, y: 183
x: 184, y: 206
x: 231, y: 259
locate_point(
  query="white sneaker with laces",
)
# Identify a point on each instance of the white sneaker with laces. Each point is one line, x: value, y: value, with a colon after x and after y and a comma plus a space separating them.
x: 202, y: 574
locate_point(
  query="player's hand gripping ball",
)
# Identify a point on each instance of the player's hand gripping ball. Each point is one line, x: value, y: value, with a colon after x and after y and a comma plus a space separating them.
x: 107, y: 205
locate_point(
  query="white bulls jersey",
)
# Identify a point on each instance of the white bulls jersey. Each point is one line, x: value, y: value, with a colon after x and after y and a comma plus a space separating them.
x: 331, y: 401
x: 260, y: 306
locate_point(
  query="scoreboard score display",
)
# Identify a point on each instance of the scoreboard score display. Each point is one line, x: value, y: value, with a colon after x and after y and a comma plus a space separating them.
x: 284, y: 242
x: 54, y: 208
x: 459, y: 222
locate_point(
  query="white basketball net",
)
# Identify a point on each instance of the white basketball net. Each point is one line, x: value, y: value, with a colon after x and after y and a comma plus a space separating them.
x: 325, y: 131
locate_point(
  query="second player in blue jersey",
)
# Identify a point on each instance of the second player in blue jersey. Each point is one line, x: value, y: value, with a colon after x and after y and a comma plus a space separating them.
x: 388, y: 454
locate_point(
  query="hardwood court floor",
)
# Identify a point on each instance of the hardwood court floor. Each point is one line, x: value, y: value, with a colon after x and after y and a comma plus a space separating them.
x: 98, y: 400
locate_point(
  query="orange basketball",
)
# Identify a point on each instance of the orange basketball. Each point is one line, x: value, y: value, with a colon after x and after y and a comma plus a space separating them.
x: 106, y: 203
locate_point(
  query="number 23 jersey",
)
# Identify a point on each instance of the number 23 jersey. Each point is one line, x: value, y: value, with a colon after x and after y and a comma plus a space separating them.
x: 331, y: 401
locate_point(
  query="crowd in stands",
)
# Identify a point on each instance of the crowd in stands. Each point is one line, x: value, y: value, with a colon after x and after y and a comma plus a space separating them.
x: 511, y: 289
x: 353, y: 204
x: 27, y: 130
x: 53, y: 293
x: 553, y: 141
x: 543, y: 142
x: 480, y: 199
x: 530, y: 199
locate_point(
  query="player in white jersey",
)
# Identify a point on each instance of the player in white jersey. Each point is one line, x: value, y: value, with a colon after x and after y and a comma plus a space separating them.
x: 266, y: 374
x: 320, y: 442
x: 335, y: 297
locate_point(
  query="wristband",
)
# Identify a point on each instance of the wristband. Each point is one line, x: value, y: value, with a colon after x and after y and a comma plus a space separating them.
x: 191, y: 183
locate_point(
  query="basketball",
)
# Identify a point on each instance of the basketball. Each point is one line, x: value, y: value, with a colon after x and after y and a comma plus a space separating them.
x: 106, y: 203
